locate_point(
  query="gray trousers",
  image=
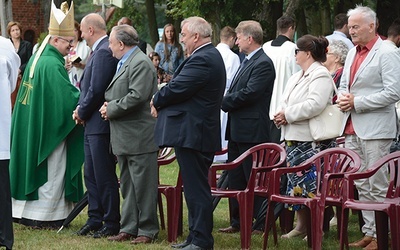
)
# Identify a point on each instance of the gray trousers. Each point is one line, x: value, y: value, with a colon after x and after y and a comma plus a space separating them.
x: 139, y: 189
x: 375, y: 187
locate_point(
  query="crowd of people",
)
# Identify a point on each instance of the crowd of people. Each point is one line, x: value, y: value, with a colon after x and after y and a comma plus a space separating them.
x: 127, y: 102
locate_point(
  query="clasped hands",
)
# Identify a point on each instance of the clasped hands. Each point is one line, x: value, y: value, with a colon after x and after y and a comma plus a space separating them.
x: 345, y: 102
x: 153, y: 110
x: 280, y: 119
x: 76, y: 118
x: 103, y: 111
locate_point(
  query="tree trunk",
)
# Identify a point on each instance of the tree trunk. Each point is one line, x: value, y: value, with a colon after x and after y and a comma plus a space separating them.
x: 326, y: 18
x: 292, y: 7
x: 5, y: 15
x: 153, y: 28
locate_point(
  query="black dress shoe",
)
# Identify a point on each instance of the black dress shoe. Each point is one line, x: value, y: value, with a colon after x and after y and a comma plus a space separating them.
x: 180, y: 245
x: 105, y: 232
x: 87, y: 229
x: 194, y: 247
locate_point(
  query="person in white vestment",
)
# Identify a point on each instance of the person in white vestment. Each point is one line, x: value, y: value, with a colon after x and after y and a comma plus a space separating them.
x: 232, y: 63
x: 281, y: 52
x: 9, y: 68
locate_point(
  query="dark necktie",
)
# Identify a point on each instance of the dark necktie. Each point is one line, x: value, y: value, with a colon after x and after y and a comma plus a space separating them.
x: 242, y: 65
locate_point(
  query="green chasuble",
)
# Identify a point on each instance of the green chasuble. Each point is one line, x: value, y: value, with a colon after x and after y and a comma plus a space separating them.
x: 41, y: 120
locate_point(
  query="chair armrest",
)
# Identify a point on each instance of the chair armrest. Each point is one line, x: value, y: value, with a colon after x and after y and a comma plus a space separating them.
x: 349, y: 178
x: 212, y: 171
x: 361, y: 175
x: 276, y: 174
x: 222, y: 151
x: 165, y: 161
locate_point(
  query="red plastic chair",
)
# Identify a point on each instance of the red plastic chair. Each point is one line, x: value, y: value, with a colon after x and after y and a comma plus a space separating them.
x: 266, y: 157
x: 173, y: 195
x: 162, y: 154
x: 389, y: 207
x: 331, y: 164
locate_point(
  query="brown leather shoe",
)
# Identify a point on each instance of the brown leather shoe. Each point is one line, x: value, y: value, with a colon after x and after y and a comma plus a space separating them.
x: 362, y: 243
x: 122, y: 237
x: 229, y: 230
x: 142, y: 240
x: 372, y: 246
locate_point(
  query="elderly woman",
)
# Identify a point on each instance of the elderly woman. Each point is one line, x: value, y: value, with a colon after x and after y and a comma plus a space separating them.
x: 306, y: 95
x: 335, y: 58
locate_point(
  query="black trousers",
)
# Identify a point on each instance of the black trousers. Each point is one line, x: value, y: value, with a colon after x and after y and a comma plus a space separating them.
x: 6, y: 226
x: 238, y: 179
x: 194, y: 167
x: 101, y: 182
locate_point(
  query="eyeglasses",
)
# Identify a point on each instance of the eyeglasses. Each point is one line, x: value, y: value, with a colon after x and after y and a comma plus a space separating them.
x: 296, y: 51
x: 68, y: 41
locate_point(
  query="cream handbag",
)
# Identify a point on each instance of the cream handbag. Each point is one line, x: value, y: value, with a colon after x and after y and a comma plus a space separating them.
x: 328, y: 124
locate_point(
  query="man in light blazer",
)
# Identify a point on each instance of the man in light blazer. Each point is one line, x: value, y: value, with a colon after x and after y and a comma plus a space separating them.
x: 368, y: 92
x: 247, y: 103
x: 188, y: 110
x: 99, y: 168
x: 132, y: 135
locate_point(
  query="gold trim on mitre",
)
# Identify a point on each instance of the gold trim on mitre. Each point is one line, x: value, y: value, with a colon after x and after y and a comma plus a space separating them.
x: 62, y: 20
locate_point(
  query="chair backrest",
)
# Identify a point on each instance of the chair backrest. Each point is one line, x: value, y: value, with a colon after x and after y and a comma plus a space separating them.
x: 331, y: 165
x: 165, y: 157
x: 392, y: 161
x: 265, y: 157
x: 340, y: 141
x: 164, y: 152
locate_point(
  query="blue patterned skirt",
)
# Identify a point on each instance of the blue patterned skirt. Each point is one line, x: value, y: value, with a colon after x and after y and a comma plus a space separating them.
x: 302, y: 184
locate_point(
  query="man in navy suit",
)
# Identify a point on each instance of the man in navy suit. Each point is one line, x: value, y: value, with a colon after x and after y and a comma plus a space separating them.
x: 247, y: 103
x: 99, y: 170
x: 189, y: 120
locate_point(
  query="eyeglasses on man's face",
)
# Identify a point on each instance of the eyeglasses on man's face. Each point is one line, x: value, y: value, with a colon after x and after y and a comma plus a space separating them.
x: 68, y: 41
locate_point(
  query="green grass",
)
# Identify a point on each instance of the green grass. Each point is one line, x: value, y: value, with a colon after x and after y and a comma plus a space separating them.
x: 27, y: 238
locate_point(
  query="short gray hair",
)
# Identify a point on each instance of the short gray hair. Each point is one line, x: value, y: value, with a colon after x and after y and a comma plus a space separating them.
x: 126, y: 34
x: 198, y: 25
x: 366, y: 12
x: 339, y: 49
x: 251, y: 28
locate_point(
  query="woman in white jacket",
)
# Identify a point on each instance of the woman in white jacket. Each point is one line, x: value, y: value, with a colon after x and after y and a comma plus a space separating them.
x: 306, y: 95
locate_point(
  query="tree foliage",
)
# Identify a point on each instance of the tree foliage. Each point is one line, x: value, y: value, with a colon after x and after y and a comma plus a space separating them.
x: 312, y: 16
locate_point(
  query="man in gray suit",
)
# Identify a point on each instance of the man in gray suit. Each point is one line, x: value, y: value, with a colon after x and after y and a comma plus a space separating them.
x: 132, y: 135
x: 368, y: 92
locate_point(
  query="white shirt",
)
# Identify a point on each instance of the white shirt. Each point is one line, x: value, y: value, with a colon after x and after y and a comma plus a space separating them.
x: 232, y: 64
x: 337, y: 35
x: 231, y: 61
x: 9, y: 65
